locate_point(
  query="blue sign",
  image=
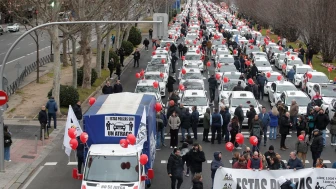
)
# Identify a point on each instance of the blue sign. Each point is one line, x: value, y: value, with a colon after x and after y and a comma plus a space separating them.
x: 177, y: 4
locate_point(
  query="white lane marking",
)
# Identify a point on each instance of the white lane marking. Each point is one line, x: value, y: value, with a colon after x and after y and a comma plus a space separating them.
x: 17, y: 48
x: 308, y: 161
x: 31, y: 44
x: 15, y: 59
x: 50, y: 163
x: 326, y: 161
x: 33, y: 177
x: 163, y: 161
x: 284, y: 161
x: 209, y: 161
x: 72, y: 163
x: 9, y: 43
x: 2, y: 54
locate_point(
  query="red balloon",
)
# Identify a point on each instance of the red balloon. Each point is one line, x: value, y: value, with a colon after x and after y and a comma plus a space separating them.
x: 73, y: 143
x: 168, y: 44
x: 72, y: 133
x: 84, y: 137
x: 272, y: 40
x: 250, y: 81
x: 240, y: 138
x: 131, y: 139
x: 218, y: 76
x: 253, y: 140
x: 226, y: 79
x: 223, y: 42
x: 142, y: 73
x: 279, y: 37
x: 301, y: 137
x: 279, y: 77
x: 92, y: 100
x: 248, y: 63
x: 143, y: 159
x: 280, y: 48
x: 176, y: 29
x: 329, y: 69
x: 194, y: 42
x: 153, y: 53
x: 292, y: 57
x: 197, y: 51
x: 309, y: 75
x: 123, y: 143
x: 251, y: 47
x: 166, y: 49
x: 235, y: 51
x: 283, y: 66
x: 208, y: 64
x: 161, y: 75
x: 171, y: 103
x: 288, y: 53
x: 268, y: 74
x: 229, y: 146
x: 265, y: 39
x: 183, y: 57
x: 163, y: 61
x: 181, y: 87
x: 267, y: 42
x: 137, y: 75
x: 219, y: 65
x: 158, y: 107
x: 155, y: 84
x: 213, y: 51
x: 184, y: 71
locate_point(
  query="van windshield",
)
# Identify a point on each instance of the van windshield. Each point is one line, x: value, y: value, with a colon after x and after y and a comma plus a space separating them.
x: 111, y: 169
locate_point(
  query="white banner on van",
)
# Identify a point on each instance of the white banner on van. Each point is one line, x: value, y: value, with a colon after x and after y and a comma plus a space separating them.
x: 308, y: 178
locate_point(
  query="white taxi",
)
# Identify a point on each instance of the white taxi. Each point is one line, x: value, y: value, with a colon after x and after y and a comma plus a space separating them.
x: 300, y: 97
x: 157, y: 68
x: 270, y: 80
x: 290, y: 62
x: 279, y: 60
x: 222, y: 51
x: 164, y: 42
x: 191, y: 74
x: 194, y: 58
x: 146, y: 87
x: 259, y: 54
x: 328, y: 92
x: 300, y: 70
x: 196, y: 98
x: 162, y: 81
x: 163, y: 52
x: 225, y: 67
x: 224, y: 58
x: 225, y: 89
x: 262, y: 64
x: 244, y: 98
x: 277, y: 88
x: 317, y: 78
x: 157, y: 59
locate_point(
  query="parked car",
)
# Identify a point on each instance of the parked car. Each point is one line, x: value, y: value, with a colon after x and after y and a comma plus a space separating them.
x: 1, y: 30
x: 13, y: 27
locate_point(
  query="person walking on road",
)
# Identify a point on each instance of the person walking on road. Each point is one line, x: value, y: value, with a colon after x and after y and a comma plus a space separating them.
x: 301, y: 147
x: 265, y: 119
x: 121, y: 53
x: 173, y: 62
x: 250, y: 114
x: 234, y: 127
x: 170, y: 85
x: 194, y: 121
x: 321, y: 122
x: 174, y: 124
x: 175, y: 169
x: 180, y: 50
x: 257, y: 131
x: 293, y: 112
x: 7, y: 143
x: 159, y: 128
x: 150, y: 31
x: 197, y: 182
x: 212, y: 88
x: 118, y: 71
x: 226, y: 116
x: 43, y: 119
x: 136, y: 57
x: 262, y: 81
x: 146, y: 43
x: 240, y: 114
x: 80, y: 155
x: 118, y: 87
x: 107, y: 89
x: 110, y: 66
x: 52, y: 108
x: 185, y: 118
x: 206, y: 125
x: 78, y: 111
x: 274, y: 118
x: 284, y: 130
x: 316, y: 146
x: 196, y: 158
x: 216, y: 164
x: 216, y: 122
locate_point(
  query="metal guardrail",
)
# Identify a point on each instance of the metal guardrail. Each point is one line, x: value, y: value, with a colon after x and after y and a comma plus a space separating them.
x: 27, y: 70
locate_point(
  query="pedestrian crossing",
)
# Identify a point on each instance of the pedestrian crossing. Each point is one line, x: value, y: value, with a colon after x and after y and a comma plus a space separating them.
x: 230, y: 161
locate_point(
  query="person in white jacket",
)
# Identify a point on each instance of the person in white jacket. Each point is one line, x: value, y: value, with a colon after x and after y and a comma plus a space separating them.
x: 174, y: 124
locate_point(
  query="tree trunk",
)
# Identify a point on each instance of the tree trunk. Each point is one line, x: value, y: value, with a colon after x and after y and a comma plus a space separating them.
x: 57, y: 65
x: 107, y: 50
x: 86, y: 51
x: 74, y: 63
x: 99, y: 50
x: 116, y: 44
x: 37, y: 59
x: 127, y: 31
x: 64, y: 45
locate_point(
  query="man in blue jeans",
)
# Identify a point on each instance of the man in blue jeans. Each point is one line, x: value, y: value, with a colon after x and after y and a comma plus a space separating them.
x: 51, y: 106
x: 265, y: 120
x: 164, y: 119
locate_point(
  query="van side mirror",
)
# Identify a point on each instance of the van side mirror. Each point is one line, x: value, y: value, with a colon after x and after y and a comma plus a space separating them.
x: 150, y: 173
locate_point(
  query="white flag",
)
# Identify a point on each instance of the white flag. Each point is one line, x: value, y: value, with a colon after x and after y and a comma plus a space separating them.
x: 141, y: 136
x: 72, y: 122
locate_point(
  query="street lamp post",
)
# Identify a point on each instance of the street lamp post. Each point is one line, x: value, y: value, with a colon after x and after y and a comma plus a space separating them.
x: 3, y: 64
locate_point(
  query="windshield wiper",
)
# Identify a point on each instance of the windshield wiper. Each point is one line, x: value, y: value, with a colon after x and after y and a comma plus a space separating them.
x: 95, y: 180
x: 122, y: 181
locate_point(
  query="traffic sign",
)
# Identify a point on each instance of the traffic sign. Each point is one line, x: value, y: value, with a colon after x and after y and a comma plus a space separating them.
x: 3, y: 98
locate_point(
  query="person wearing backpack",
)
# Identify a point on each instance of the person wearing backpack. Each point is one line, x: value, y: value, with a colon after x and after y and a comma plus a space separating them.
x: 256, y: 131
x: 301, y: 148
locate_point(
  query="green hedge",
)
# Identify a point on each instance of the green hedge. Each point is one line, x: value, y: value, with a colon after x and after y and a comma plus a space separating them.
x: 94, y: 76
x: 128, y: 47
x: 135, y: 36
x: 113, y: 55
x: 68, y: 95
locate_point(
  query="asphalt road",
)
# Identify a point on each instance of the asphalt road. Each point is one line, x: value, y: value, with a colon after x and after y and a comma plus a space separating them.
x: 24, y: 53
x: 55, y: 171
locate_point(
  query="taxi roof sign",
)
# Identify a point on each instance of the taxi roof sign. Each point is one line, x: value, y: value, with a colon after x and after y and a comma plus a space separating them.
x: 242, y: 94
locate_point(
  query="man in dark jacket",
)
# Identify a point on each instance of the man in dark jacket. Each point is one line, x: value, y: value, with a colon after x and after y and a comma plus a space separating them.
x: 226, y: 116
x: 262, y: 81
x: 121, y: 53
x: 107, y: 89
x: 249, y: 87
x: 185, y: 118
x: 250, y: 114
x: 110, y: 66
x: 284, y: 124
x: 212, y: 87
x: 43, y: 119
x: 270, y: 154
x: 216, y: 122
x: 52, y: 108
x: 316, y: 146
x: 78, y: 111
x: 194, y: 121
x: 240, y: 114
x: 195, y: 157
x: 321, y: 122
x: 180, y: 50
x: 238, y: 87
x: 136, y: 57
x: 146, y: 43
x: 173, y: 61
x: 80, y: 155
x: 254, y: 70
x: 294, y: 162
x: 257, y: 131
x: 173, y: 48
x: 118, y: 87
x: 216, y: 164
x: 175, y: 168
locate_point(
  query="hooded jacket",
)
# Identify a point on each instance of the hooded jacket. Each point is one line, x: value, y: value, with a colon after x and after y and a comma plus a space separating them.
x: 215, y: 164
x: 239, y: 113
x: 51, y: 106
x: 206, y: 119
x: 273, y: 120
x: 284, y: 125
x: 174, y: 122
x: 317, y: 143
x: 197, y: 184
x: 175, y: 165
x: 321, y: 121
x: 186, y: 120
x: 196, y: 159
